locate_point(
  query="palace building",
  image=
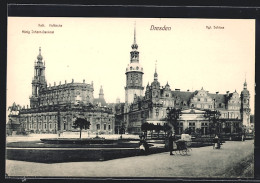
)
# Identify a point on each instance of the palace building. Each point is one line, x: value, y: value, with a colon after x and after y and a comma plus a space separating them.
x: 152, y: 106
x: 54, y: 108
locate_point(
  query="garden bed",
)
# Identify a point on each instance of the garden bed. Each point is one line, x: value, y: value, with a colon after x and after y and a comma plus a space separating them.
x: 54, y: 155
x: 78, y: 141
x: 40, y: 144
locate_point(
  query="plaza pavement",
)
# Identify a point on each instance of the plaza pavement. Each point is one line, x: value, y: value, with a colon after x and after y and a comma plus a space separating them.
x: 231, y: 161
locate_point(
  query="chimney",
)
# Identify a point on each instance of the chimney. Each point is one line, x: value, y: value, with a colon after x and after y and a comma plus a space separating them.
x: 83, y: 80
x: 227, y: 92
x: 188, y: 90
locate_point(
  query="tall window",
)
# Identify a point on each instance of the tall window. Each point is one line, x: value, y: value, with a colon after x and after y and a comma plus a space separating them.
x: 109, y: 127
x: 157, y: 111
x: 105, y: 126
x: 98, y: 126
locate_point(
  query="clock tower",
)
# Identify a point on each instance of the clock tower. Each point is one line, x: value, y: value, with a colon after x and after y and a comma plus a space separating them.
x: 134, y: 75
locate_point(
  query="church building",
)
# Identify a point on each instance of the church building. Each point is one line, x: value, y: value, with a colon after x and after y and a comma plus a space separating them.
x: 54, y: 108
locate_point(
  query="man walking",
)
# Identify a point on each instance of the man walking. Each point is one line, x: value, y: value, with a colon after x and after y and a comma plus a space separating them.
x: 171, y: 139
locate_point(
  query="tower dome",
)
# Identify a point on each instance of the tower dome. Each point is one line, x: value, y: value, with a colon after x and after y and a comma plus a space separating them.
x: 245, y: 91
x: 39, y: 57
x: 134, y: 46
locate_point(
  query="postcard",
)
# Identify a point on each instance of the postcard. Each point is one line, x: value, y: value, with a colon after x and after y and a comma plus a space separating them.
x: 130, y: 97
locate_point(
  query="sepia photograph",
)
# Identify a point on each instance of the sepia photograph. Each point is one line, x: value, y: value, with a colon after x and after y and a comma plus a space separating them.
x: 130, y: 97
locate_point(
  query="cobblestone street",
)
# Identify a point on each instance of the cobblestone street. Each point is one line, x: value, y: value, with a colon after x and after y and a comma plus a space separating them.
x: 234, y: 159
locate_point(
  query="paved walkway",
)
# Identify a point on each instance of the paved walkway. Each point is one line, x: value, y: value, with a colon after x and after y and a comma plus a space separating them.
x: 202, y: 162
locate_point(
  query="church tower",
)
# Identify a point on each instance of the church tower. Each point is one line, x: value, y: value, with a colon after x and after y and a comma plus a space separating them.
x: 38, y: 80
x: 245, y: 106
x: 101, y: 93
x: 134, y: 75
x: 155, y: 85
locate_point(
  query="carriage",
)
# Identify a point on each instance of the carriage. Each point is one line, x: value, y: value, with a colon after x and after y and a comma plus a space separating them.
x: 183, y: 147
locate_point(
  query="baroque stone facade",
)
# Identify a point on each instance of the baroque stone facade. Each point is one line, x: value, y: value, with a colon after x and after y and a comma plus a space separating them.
x: 54, y: 108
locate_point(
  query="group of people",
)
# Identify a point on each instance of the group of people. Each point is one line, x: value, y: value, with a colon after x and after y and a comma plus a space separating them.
x: 144, y: 147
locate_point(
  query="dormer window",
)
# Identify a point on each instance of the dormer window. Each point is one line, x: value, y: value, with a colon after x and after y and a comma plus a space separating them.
x: 137, y: 68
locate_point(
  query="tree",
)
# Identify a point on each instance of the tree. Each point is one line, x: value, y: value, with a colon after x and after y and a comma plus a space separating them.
x: 158, y: 128
x: 213, y: 117
x: 151, y: 128
x: 198, y: 131
x: 166, y: 128
x: 173, y: 115
x: 188, y: 131
x: 145, y: 128
x: 81, y: 123
x: 122, y: 130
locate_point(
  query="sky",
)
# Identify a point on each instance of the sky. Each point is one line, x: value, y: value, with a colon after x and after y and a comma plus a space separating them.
x: 191, y: 55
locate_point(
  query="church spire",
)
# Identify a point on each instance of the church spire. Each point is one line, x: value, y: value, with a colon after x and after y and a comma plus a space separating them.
x: 245, y: 83
x: 134, y: 45
x: 101, y: 92
x: 135, y: 34
x: 155, y: 73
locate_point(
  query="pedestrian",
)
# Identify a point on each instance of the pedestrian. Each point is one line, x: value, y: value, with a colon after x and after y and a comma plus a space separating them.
x: 171, y: 139
x: 216, y: 142
x: 143, y: 145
